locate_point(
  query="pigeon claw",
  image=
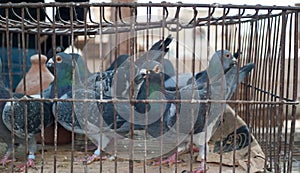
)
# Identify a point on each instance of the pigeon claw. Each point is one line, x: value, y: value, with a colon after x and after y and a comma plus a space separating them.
x: 22, y: 167
x: 170, y: 161
x: 92, y: 159
x: 30, y: 163
x: 199, y: 170
x: 5, y: 160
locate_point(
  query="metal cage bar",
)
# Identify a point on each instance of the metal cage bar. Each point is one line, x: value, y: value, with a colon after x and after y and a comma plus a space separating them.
x: 266, y: 100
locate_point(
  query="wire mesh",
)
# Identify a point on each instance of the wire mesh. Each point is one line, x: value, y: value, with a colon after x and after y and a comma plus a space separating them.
x: 100, y: 32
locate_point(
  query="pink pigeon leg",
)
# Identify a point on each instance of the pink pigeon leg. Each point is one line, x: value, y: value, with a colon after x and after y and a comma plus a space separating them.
x: 93, y: 158
x: 170, y: 161
x: 5, y: 159
x: 30, y: 163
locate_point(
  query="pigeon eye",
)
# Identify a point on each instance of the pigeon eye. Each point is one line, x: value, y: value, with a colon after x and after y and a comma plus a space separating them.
x: 59, y: 59
x: 156, y: 69
x: 227, y: 55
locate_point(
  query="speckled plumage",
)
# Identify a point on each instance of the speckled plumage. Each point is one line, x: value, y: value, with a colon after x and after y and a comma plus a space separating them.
x: 221, y: 87
x: 33, y: 114
x: 93, y: 113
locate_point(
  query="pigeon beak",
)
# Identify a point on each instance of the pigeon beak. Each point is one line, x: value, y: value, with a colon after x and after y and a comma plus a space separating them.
x: 50, y: 65
x: 141, y: 76
x: 234, y: 61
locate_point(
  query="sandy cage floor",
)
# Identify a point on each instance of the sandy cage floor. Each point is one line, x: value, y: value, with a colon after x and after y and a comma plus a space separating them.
x: 63, y: 161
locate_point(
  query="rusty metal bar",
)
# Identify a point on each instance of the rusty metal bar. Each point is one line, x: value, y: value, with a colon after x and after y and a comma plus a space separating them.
x: 131, y: 50
x: 41, y: 86
x: 267, y: 87
x: 25, y: 105
x: 281, y: 90
x: 288, y: 78
x: 116, y: 53
x: 256, y: 35
x: 55, y: 91
x: 10, y: 86
x: 295, y: 85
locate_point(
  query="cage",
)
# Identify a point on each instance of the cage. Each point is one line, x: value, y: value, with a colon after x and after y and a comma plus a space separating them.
x: 255, y: 130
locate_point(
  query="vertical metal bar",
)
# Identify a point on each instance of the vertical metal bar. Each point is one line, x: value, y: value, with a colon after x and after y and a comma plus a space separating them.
x: 268, y: 86
x: 295, y: 85
x: 246, y: 35
x: 132, y: 40
x: 256, y: 79
x: 73, y: 128
x: 73, y: 86
x: 259, y: 111
x: 207, y: 83
x: 9, y: 63
x: 222, y: 62
x: 101, y: 67
x: 55, y: 90
x: 177, y: 92
x: 262, y: 110
x: 41, y: 85
x: 274, y: 90
x: 226, y: 36
x: 237, y: 91
x: 193, y: 72
x: 252, y: 49
x: 281, y: 90
x: 3, y: 36
x: 216, y: 35
x: 24, y: 80
x: 277, y: 119
x: 287, y: 78
x: 147, y: 86
x: 116, y: 51
x: 184, y: 50
x: 162, y: 118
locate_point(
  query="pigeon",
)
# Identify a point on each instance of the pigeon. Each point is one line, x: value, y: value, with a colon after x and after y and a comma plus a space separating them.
x: 63, y: 84
x: 220, y: 88
x: 122, y: 76
x: 201, y: 77
x: 32, y: 77
x: 90, y: 115
x: 18, y: 110
x: 155, y: 53
x: 64, y: 74
x: 50, y: 52
x: 94, y: 91
x: 93, y: 114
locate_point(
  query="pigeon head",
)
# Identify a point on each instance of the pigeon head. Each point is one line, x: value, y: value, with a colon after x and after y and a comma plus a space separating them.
x: 147, y: 68
x: 150, y: 78
x: 67, y: 59
x: 64, y: 71
x: 228, y: 59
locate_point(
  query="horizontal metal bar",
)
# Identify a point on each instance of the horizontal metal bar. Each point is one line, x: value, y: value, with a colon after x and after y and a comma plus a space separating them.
x: 192, y: 101
x: 134, y: 5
